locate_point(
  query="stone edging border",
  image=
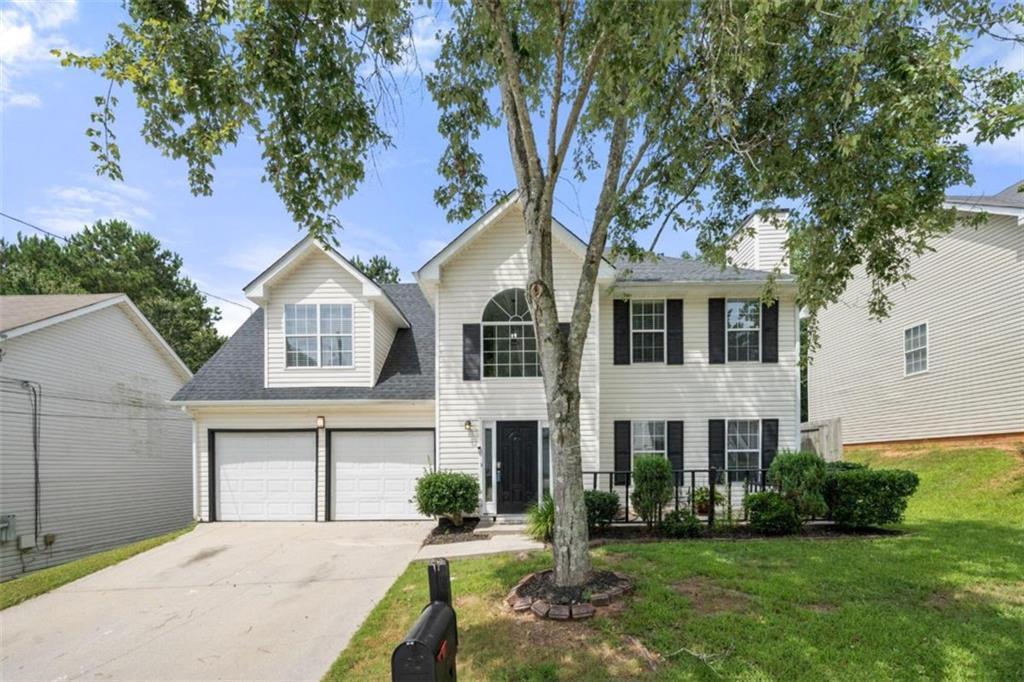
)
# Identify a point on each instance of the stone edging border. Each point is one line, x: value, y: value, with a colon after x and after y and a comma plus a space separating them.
x: 584, y: 610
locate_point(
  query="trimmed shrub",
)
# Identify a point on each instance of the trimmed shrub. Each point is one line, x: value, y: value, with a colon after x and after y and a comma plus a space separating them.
x: 800, y: 476
x: 540, y: 520
x: 859, y: 498
x: 843, y: 466
x: 448, y: 494
x: 702, y: 499
x: 680, y: 523
x: 652, y: 481
x: 602, y: 507
x: 772, y: 514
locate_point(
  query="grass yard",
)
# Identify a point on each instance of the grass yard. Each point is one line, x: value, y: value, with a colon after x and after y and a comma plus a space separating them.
x: 19, y: 589
x: 943, y: 601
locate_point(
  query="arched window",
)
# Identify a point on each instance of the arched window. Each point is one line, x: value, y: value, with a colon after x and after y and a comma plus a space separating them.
x: 510, y: 344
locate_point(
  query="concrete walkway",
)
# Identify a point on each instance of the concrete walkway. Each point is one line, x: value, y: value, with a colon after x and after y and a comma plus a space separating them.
x: 497, y: 543
x: 228, y: 601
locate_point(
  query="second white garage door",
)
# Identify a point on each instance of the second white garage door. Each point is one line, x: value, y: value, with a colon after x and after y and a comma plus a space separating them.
x: 375, y: 473
x: 266, y: 476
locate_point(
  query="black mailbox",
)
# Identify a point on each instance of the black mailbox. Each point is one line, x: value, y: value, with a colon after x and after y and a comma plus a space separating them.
x: 428, y: 652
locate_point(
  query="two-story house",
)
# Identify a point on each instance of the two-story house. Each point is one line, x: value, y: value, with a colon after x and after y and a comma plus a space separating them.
x: 334, y: 397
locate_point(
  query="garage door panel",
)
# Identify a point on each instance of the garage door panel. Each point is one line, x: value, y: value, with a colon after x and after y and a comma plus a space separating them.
x: 375, y: 473
x: 266, y: 476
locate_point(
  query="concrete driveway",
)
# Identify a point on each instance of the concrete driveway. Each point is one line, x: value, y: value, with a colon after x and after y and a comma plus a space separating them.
x: 228, y: 601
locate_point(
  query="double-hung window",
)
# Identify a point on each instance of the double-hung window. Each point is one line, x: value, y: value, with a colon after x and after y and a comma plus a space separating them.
x: 318, y: 335
x: 915, y: 349
x: 509, y: 341
x: 742, y: 444
x: 648, y: 439
x: 647, y: 330
x: 743, y: 330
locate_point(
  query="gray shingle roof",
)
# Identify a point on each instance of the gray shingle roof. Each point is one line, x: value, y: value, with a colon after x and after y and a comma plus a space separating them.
x: 235, y: 372
x: 1011, y: 197
x: 669, y: 269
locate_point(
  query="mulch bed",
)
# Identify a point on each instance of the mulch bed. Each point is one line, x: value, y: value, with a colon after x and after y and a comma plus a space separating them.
x: 813, y: 531
x: 538, y: 594
x: 446, y: 533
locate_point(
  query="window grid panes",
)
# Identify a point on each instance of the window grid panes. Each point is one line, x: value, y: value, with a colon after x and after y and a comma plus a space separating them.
x: 915, y: 349
x: 743, y: 330
x: 648, y: 438
x: 647, y: 321
x: 509, y: 340
x: 318, y: 336
x: 743, y: 444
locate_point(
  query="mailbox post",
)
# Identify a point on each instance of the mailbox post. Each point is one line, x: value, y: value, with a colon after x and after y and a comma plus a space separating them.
x: 428, y: 652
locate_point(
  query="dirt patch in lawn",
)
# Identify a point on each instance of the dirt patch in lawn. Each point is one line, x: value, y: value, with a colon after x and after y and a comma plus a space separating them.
x: 708, y: 597
x: 1010, y: 442
x: 821, y: 608
x: 1010, y: 593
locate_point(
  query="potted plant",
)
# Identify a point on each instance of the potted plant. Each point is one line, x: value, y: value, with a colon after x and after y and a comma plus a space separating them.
x: 702, y: 499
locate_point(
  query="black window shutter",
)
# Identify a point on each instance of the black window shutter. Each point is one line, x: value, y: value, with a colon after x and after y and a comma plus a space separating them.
x: 674, y: 331
x: 623, y: 450
x: 716, y: 444
x: 471, y: 352
x: 770, y: 332
x: 564, y: 328
x: 675, y: 445
x: 769, y: 441
x: 620, y: 332
x: 716, y: 331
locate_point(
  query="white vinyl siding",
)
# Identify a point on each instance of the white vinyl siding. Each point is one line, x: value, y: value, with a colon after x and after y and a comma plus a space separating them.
x: 384, y: 331
x: 496, y: 261
x: 972, y: 289
x: 115, y: 458
x: 697, y: 391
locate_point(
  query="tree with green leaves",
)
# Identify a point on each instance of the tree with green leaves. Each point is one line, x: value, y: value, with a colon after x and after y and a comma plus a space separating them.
x: 111, y: 257
x: 687, y: 114
x: 379, y: 269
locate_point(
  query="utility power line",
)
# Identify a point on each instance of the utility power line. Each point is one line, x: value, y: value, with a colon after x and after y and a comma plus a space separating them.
x: 66, y: 240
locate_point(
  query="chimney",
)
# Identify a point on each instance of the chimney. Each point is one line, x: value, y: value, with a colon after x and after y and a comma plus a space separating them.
x: 760, y: 243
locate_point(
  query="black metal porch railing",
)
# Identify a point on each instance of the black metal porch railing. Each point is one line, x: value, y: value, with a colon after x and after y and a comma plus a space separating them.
x: 706, y: 493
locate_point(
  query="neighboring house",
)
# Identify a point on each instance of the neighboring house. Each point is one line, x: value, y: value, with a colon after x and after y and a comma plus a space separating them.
x: 949, y: 359
x: 334, y: 397
x: 91, y: 453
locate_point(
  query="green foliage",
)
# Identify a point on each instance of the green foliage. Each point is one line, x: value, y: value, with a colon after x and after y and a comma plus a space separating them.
x: 111, y: 257
x: 379, y: 269
x: 540, y: 520
x: 680, y: 523
x: 772, y: 514
x: 862, y: 498
x: 801, y: 478
x: 702, y: 499
x: 843, y: 465
x: 447, y: 493
x: 652, y: 487
x: 602, y: 507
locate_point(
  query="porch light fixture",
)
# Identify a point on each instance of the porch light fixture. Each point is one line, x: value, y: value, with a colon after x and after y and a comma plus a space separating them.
x: 320, y: 422
x: 468, y: 425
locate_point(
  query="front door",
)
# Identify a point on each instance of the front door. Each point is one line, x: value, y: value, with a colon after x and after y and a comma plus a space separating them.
x: 517, y: 466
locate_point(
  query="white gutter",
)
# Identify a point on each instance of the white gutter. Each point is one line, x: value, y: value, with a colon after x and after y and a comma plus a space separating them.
x: 284, y: 402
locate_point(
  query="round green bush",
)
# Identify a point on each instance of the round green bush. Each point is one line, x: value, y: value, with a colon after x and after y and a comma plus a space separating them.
x: 448, y: 494
x: 602, y: 507
x: 772, y: 514
x: 800, y: 477
x: 702, y: 499
x: 680, y: 523
x: 652, y: 487
x: 540, y: 520
x: 862, y: 498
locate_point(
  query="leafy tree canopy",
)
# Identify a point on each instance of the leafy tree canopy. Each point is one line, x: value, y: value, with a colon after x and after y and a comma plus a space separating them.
x: 112, y: 257
x: 379, y: 269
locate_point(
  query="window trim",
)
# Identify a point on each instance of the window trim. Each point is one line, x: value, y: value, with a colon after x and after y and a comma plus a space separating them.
x: 926, y: 348
x: 483, y: 324
x: 632, y: 440
x: 664, y: 332
x: 760, y: 445
x: 759, y: 329
x: 318, y: 336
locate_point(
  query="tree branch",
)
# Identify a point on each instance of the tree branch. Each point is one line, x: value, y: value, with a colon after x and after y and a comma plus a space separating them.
x: 586, y: 80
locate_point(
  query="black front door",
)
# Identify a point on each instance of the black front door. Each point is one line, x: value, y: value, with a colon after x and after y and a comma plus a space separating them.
x: 517, y: 466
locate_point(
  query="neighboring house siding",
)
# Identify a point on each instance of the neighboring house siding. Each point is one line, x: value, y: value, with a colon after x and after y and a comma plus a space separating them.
x: 383, y: 335
x: 496, y: 261
x: 970, y: 291
x: 318, y: 279
x: 399, y: 414
x: 115, y: 457
x: 698, y: 391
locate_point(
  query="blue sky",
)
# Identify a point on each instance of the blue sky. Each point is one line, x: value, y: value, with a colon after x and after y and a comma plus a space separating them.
x: 47, y: 177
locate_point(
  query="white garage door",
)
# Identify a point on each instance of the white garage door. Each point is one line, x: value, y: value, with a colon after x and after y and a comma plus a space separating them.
x: 266, y: 476
x: 375, y: 473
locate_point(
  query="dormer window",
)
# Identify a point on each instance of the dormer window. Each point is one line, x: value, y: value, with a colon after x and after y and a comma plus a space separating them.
x: 318, y: 335
x: 510, y: 344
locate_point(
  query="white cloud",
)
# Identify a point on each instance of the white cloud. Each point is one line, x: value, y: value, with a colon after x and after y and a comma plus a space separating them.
x: 28, y: 31
x: 21, y: 99
x: 257, y: 257
x: 72, y: 207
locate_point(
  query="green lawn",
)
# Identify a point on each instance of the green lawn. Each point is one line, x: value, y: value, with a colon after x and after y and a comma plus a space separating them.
x: 19, y: 589
x: 943, y: 601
